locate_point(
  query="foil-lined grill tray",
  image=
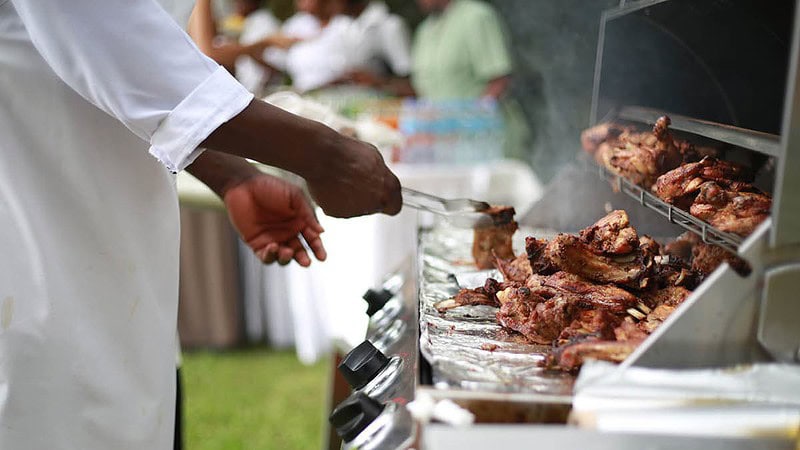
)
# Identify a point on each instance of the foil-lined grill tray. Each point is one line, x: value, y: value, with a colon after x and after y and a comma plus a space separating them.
x: 465, y: 347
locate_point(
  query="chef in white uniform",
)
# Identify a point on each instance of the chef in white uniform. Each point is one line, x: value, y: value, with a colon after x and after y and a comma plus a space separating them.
x: 89, y: 220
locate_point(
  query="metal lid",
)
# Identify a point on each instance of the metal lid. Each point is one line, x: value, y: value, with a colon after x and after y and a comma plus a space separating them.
x: 362, y: 364
x: 353, y: 415
x: 376, y: 299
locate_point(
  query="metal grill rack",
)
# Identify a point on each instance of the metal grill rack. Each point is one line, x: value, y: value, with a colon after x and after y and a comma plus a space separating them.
x: 675, y: 215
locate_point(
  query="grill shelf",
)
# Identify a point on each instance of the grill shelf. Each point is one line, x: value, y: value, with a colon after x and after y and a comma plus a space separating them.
x: 709, y: 234
x: 765, y: 143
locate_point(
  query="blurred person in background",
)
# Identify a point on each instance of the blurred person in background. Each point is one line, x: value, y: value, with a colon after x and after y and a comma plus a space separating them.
x: 460, y: 51
x: 259, y: 24
x: 203, y: 30
x: 305, y: 22
x: 378, y: 44
x: 317, y: 62
x: 362, y: 43
x: 101, y: 102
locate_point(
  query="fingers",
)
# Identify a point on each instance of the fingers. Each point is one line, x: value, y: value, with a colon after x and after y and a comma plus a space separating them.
x: 314, y: 242
x: 268, y: 254
x: 393, y: 202
x: 292, y: 250
x: 285, y: 255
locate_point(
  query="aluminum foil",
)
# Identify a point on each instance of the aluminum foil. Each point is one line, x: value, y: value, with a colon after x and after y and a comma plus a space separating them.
x: 465, y: 346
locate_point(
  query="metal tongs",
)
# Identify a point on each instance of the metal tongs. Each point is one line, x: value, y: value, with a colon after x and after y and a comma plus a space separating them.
x: 460, y: 212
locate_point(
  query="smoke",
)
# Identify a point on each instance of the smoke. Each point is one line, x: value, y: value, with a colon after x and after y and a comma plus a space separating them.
x: 554, y: 45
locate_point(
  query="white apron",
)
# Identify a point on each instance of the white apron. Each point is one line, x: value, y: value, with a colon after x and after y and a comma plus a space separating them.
x: 89, y: 220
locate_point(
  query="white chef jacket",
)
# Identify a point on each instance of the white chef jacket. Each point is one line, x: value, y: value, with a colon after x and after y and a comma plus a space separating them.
x: 258, y: 25
x: 377, y: 37
x: 89, y: 220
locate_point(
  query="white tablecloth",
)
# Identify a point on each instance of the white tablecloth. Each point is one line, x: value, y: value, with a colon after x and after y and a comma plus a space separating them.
x: 311, y: 308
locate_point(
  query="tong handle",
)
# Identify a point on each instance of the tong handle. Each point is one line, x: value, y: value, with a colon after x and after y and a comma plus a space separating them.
x: 417, y: 199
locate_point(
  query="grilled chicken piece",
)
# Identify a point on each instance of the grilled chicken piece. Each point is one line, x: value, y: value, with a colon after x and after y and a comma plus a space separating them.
x: 669, y: 272
x: 589, y: 295
x: 493, y: 242
x: 629, y: 330
x: 518, y: 269
x: 540, y: 321
x: 679, y: 186
x: 731, y: 211
x: 681, y: 248
x: 649, y: 245
x: 536, y: 256
x: 484, y: 295
x: 590, y: 324
x: 655, y: 318
x: 569, y: 254
x: 706, y: 258
x: 593, y: 137
x: 571, y: 357
x: 611, y: 235
x: 643, y: 157
x: 669, y: 296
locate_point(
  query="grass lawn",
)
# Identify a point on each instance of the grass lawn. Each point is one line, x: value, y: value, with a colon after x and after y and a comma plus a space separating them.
x: 252, y: 399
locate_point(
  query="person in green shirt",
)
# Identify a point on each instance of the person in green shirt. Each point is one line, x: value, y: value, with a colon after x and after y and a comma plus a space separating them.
x: 460, y: 51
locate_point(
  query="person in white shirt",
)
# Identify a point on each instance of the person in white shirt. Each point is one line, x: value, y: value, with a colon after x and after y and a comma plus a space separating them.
x: 203, y: 30
x: 304, y: 24
x: 89, y: 219
x: 379, y: 45
x: 362, y: 43
x: 259, y: 23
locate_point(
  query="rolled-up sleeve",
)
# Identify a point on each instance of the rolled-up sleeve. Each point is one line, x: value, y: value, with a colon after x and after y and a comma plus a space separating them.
x: 130, y: 59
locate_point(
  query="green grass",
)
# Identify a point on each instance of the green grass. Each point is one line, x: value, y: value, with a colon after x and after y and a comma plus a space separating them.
x: 251, y: 400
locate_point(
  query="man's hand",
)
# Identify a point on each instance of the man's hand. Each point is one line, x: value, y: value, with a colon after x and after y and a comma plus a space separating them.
x: 355, y: 181
x: 271, y: 215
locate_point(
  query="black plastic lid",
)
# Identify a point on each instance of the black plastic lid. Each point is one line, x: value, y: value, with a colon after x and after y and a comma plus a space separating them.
x: 376, y: 299
x: 362, y: 364
x: 353, y: 415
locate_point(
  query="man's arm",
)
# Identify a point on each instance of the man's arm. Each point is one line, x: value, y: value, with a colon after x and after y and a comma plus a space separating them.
x: 345, y: 176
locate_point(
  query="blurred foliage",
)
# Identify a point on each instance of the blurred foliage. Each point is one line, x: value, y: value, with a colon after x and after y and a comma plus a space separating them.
x: 252, y: 399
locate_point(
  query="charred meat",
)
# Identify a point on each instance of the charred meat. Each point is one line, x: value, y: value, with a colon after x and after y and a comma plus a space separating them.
x: 535, y: 249
x: 731, y: 211
x: 484, y: 295
x: 494, y: 241
x: 570, y: 254
x: 604, y: 297
x: 681, y: 185
x: 571, y: 357
x: 592, y: 138
x: 540, y: 321
x: 518, y: 269
x: 643, y: 157
x: 611, y: 235
x: 706, y: 258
